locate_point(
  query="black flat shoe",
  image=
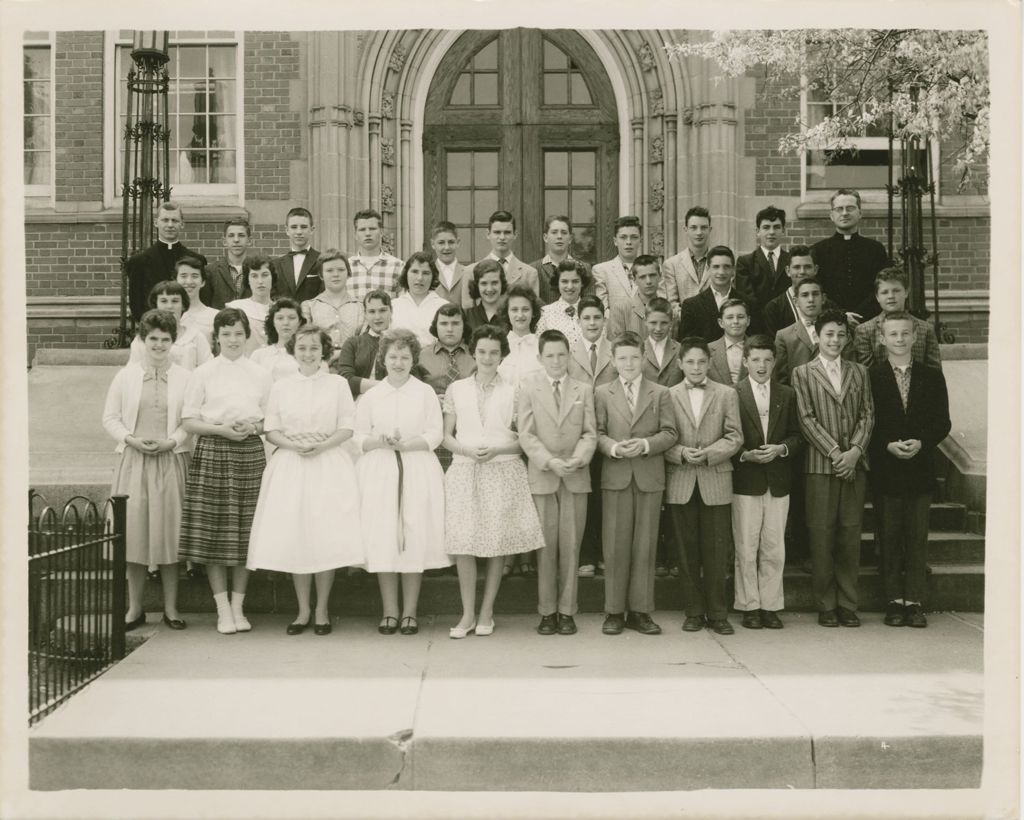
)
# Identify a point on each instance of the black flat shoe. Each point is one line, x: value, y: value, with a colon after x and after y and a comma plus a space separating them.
x: 322, y: 629
x: 613, y: 624
x: 693, y: 623
x: 410, y: 626
x: 296, y: 629
x: 847, y: 617
x: 130, y: 625
x: 548, y: 625
x: 174, y: 623
x: 388, y: 625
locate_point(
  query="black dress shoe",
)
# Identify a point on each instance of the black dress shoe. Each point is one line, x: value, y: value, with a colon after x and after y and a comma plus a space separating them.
x: 195, y: 571
x: 914, y: 616
x: 828, y: 618
x: 296, y: 629
x: 894, y: 615
x: 613, y: 624
x: 770, y: 620
x: 388, y: 625
x: 566, y: 624
x: 174, y: 623
x: 548, y: 625
x: 693, y: 623
x: 751, y: 620
x: 322, y: 629
x: 721, y: 626
x: 642, y: 623
x: 410, y: 626
x: 135, y: 624
x: 847, y: 617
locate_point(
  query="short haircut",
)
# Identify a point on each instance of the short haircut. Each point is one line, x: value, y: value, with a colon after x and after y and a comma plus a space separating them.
x: 721, y: 250
x: 697, y: 210
x: 549, y: 219
x: 758, y: 342
x: 590, y: 302
x: 257, y: 261
x: 501, y: 216
x: 482, y: 268
x: 567, y: 265
x: 627, y: 339
x: 400, y: 338
x: 800, y: 250
x: 378, y: 294
x: 523, y: 292
x: 897, y: 316
x: 333, y: 255
x: 275, y: 308
x: 845, y: 192
x: 158, y: 320
x: 443, y: 227
x: 238, y: 221
x: 834, y: 317
x: 326, y: 344
x: 171, y: 205
x: 170, y: 289
x: 448, y: 309
x: 627, y: 222
x: 299, y: 212
x: 691, y: 342
x: 658, y: 305
x: 228, y: 317
x: 770, y: 214
x: 549, y: 337
x: 423, y: 258
x: 368, y: 213
x: 810, y: 280
x: 892, y: 275
x: 731, y: 303
x: 193, y: 262
x: 645, y: 260
x: 489, y: 331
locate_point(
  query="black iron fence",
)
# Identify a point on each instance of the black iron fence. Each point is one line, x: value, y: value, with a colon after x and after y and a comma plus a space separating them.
x: 76, y: 596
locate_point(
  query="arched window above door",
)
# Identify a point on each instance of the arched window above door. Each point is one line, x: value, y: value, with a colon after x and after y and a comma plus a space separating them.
x: 564, y: 81
x: 479, y: 83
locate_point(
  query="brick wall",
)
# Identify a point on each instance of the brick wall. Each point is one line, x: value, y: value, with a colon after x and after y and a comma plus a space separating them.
x: 771, y: 116
x: 273, y: 132
x: 78, y: 111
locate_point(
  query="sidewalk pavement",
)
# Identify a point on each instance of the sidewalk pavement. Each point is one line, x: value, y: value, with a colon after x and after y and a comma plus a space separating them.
x: 803, y: 707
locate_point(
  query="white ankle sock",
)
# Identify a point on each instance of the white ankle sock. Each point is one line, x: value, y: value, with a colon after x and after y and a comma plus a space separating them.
x: 225, y: 619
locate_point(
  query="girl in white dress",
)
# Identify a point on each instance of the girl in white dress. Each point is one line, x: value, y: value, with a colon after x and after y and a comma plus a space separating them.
x: 283, y: 318
x: 190, y: 348
x: 190, y: 273
x: 307, y: 516
x: 489, y: 512
x: 262, y: 283
x: 415, y: 308
x: 564, y: 314
x: 398, y: 427
x: 520, y: 310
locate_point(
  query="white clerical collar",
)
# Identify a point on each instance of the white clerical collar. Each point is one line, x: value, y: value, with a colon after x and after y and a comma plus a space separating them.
x: 169, y: 245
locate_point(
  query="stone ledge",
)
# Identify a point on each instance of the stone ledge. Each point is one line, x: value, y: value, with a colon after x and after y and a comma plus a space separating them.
x: 193, y: 213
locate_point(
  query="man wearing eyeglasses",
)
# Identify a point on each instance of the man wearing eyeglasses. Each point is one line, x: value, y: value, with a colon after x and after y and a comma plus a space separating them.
x: 848, y: 261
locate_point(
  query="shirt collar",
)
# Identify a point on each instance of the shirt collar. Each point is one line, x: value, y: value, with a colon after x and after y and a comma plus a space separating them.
x: 905, y: 368
x: 439, y: 348
x: 547, y: 260
x: 496, y: 258
x: 729, y: 344
x: 635, y: 382
x: 369, y: 261
x: 826, y: 363
x: 561, y: 380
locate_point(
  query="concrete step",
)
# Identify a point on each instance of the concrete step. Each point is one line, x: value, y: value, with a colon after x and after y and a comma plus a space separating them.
x: 943, y: 515
x: 943, y: 548
x: 521, y: 712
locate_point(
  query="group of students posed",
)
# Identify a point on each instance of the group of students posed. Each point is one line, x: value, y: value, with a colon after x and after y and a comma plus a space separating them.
x: 447, y: 414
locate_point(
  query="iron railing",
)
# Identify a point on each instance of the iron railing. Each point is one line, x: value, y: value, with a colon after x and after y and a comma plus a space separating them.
x: 76, y: 597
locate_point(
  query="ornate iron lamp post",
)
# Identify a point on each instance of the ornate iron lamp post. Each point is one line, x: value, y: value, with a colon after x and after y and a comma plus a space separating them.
x: 145, y: 181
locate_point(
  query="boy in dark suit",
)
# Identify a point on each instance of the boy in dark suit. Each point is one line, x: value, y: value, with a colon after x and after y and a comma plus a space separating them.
x: 298, y: 271
x: 698, y: 315
x: 911, y: 419
x: 761, y: 483
x: 836, y: 417
x: 227, y: 278
x: 761, y: 275
x: 635, y: 425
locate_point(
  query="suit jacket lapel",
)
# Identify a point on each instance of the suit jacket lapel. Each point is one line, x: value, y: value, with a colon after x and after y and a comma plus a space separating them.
x: 818, y: 371
x: 775, y: 404
x: 709, y: 398
x: 569, y: 397
x: 719, y: 360
x: 307, y: 265
x: 582, y: 356
x: 645, y: 391
x: 545, y: 396
x: 683, y: 398
x: 748, y: 405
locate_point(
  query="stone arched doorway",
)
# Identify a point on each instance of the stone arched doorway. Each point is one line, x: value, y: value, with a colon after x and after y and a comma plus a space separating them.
x: 523, y: 120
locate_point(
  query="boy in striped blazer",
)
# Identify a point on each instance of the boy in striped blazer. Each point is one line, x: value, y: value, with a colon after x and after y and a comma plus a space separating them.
x: 837, y: 416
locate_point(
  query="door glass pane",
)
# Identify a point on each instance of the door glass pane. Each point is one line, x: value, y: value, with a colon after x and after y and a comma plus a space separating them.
x: 485, y: 168
x: 584, y: 243
x: 582, y: 206
x: 583, y: 168
x: 554, y: 57
x: 459, y: 207
x: 487, y: 57
x: 556, y: 202
x: 485, y: 89
x: 556, y: 91
x: 460, y: 94
x: 485, y: 203
x: 556, y: 168
x: 460, y: 168
x: 580, y: 94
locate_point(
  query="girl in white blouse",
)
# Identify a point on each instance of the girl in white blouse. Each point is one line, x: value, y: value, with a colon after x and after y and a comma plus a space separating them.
x: 190, y: 348
x: 415, y: 308
x: 283, y: 318
x: 564, y: 314
x: 262, y: 283
x: 190, y: 273
x: 225, y: 403
x: 520, y: 311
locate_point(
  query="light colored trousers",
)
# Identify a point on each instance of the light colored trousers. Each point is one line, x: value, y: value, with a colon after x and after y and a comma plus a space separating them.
x: 563, y: 515
x: 759, y: 534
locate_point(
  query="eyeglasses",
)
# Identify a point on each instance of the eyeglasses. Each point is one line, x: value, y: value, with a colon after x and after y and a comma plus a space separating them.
x: 848, y: 209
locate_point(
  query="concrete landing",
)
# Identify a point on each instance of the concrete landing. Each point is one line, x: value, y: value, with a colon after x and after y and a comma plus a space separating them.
x: 802, y: 708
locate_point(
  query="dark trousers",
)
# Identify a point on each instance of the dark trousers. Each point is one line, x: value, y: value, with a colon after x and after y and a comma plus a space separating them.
x: 797, y: 549
x: 904, y: 531
x: 704, y: 540
x: 591, y: 547
x: 835, y: 510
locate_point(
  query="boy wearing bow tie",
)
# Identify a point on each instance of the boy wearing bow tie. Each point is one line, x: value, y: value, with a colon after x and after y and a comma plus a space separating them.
x: 298, y: 271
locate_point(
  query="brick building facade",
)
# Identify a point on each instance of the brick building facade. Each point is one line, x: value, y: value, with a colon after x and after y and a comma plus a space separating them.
x: 338, y: 121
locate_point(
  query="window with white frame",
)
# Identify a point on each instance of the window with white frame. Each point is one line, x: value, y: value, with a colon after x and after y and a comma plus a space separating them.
x: 863, y: 164
x: 204, y: 111
x: 37, y: 87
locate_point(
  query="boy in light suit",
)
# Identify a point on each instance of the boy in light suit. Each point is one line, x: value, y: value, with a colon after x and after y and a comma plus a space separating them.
x: 837, y: 415
x: 635, y: 425
x: 761, y: 482
x: 661, y: 351
x: 699, y: 486
x: 646, y: 279
x: 726, y: 366
x: 452, y: 275
x: 558, y: 434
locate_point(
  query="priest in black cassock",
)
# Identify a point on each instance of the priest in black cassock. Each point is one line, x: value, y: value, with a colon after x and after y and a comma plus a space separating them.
x: 156, y: 263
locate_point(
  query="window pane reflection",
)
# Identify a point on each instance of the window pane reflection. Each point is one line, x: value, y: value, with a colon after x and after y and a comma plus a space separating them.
x: 487, y: 57
x: 580, y: 94
x: 555, y: 90
x: 554, y: 57
x: 459, y: 210
x: 556, y: 168
x: 459, y: 168
x: 485, y: 89
x: 582, y: 206
x: 583, y: 167
x: 485, y: 168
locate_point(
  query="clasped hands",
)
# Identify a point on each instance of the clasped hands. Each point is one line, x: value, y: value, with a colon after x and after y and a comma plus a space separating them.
x: 764, y: 454
x: 563, y: 467
x: 679, y: 454
x: 845, y: 462
x: 150, y: 446
x: 629, y: 448
x: 904, y: 449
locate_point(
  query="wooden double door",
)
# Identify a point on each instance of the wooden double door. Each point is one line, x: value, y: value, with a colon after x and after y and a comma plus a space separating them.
x: 525, y: 121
